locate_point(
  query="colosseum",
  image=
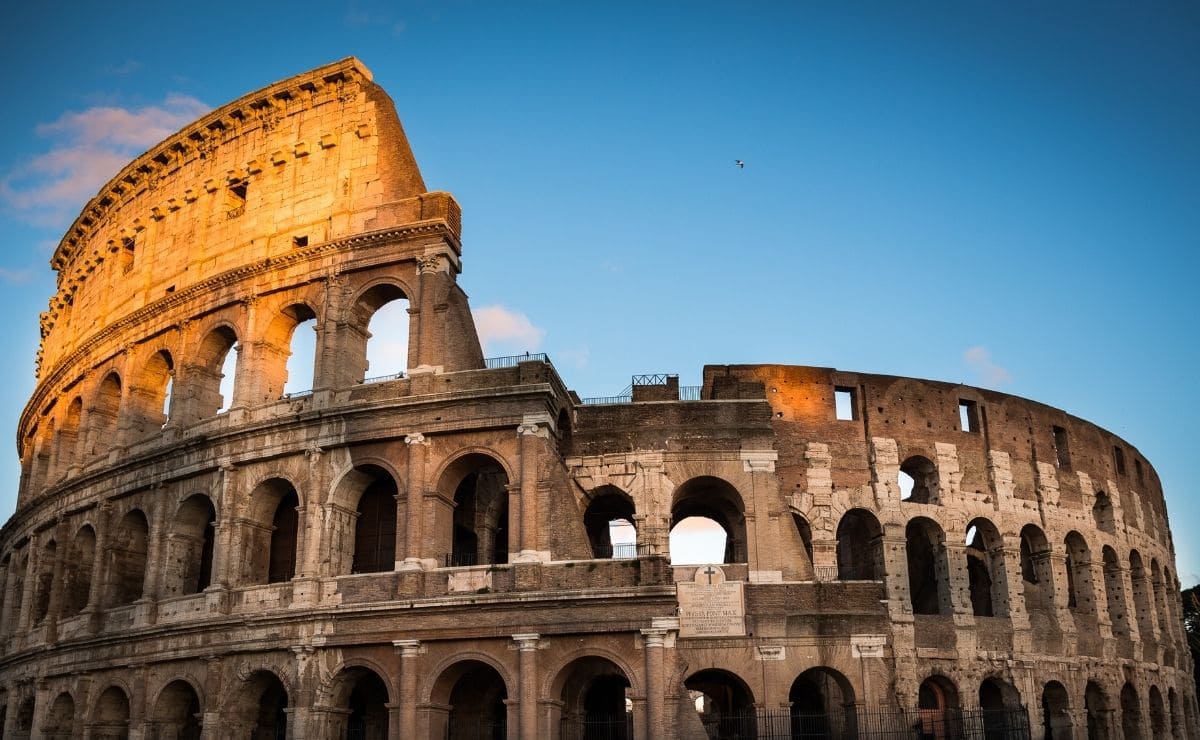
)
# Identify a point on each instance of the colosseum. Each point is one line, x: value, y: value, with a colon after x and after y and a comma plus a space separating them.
x: 435, y: 553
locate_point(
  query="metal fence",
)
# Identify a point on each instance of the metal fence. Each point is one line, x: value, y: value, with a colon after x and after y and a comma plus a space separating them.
x: 856, y: 724
x: 470, y: 728
x: 495, y: 363
x: 619, y: 727
x: 383, y: 378
x: 621, y: 551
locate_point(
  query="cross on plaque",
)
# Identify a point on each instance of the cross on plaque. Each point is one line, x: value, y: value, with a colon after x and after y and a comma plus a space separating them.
x: 710, y: 572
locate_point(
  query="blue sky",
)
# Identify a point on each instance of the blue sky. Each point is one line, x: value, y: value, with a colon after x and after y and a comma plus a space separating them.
x: 1006, y: 195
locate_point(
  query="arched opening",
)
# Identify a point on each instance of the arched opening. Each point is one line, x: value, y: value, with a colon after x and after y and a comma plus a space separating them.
x: 190, y: 543
x: 928, y: 574
x: 127, y: 559
x: 261, y: 707
x: 1102, y: 513
x: 1080, y: 593
x: 724, y: 705
x: 60, y: 722
x: 1036, y: 570
x: 859, y: 547
x: 384, y: 313
x: 918, y: 481
x: 822, y: 705
x: 102, y: 419
x: 1142, y: 608
x: 270, y: 533
x: 595, y: 705
x: 1096, y: 703
x: 804, y: 529
x: 1158, y: 714
x: 938, y: 706
x: 1114, y: 592
x: 475, y: 697
x: 985, y: 569
x: 1056, y: 712
x: 214, y: 376
x: 110, y: 719
x: 563, y: 430
x: 360, y: 698
x: 45, y: 581
x: 1131, y: 713
x: 177, y: 712
x: 77, y: 571
x: 1160, y: 600
x: 19, y: 563
x: 375, y: 526
x: 148, y: 395
x: 480, y: 521
x: 1177, y: 729
x: 1000, y: 706
x: 67, y: 453
x: 289, y: 352
x: 25, y: 717
x: 608, y: 521
x: 714, y: 499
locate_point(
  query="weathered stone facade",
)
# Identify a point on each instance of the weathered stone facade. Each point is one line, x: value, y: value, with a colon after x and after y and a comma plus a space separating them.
x: 429, y: 556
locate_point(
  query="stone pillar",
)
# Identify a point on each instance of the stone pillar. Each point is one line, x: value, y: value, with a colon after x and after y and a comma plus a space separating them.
x: 96, y: 585
x: 527, y: 645
x: 56, y: 582
x: 411, y: 527
x: 654, y: 640
x: 764, y: 564
x: 32, y: 568
x: 533, y: 430
x: 407, y: 717
x: 434, y: 272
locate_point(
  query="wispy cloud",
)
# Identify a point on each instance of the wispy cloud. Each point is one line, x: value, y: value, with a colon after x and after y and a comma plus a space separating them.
x: 128, y: 67
x: 504, y: 330
x: 357, y: 17
x: 15, y: 276
x: 577, y: 356
x: 979, y: 359
x: 86, y: 148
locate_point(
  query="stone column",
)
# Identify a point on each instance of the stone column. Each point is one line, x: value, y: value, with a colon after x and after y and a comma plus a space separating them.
x: 654, y: 640
x: 533, y: 430
x: 412, y: 527
x: 434, y: 271
x: 407, y: 720
x: 527, y: 645
x: 32, y: 568
x: 100, y: 554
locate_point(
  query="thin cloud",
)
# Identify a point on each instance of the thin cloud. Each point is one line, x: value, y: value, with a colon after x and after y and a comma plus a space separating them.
x: 577, y: 356
x: 15, y: 276
x: 86, y: 149
x: 979, y: 359
x: 504, y: 330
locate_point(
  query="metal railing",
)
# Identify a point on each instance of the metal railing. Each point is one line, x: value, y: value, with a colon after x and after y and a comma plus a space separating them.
x: 597, y: 727
x: 297, y: 394
x: 460, y: 559
x: 605, y: 400
x: 495, y: 363
x: 653, y: 378
x: 383, y: 378
x: 882, y: 724
x: 621, y: 551
x: 690, y: 392
x: 471, y: 728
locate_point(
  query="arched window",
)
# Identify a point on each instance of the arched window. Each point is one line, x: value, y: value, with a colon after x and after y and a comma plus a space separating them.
x: 261, y: 704
x: 383, y: 313
x: 1131, y: 713
x: 595, y: 701
x: 608, y: 521
x: 1114, y: 591
x: 724, y: 704
x: 1102, y: 513
x: 918, y: 480
x: 190, y: 545
x: 127, y: 563
x: 938, y: 705
x: 1056, y: 712
x: 68, y: 436
x: 859, y: 547
x: 102, y: 418
x: 214, y: 376
x: 361, y: 698
x: 288, y: 353
x: 149, y: 395
x: 270, y: 533
x: 1142, y: 597
x: 375, y: 527
x: 475, y: 697
x: 928, y: 574
x: 177, y: 712
x: 1081, y: 595
x: 1000, y: 704
x: 1096, y: 704
x: 60, y: 722
x: 77, y: 571
x: 111, y: 715
x: 985, y: 569
x: 478, y: 486
x: 718, y: 502
x: 822, y: 704
x: 1036, y: 569
x: 45, y: 581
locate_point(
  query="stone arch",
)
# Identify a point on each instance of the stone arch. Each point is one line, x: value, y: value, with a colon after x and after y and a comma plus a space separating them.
x: 45, y: 580
x: 370, y: 299
x: 1131, y: 713
x: 1095, y: 702
x: 1114, y: 593
x: 68, y: 442
x: 555, y: 673
x: 366, y: 520
x: 25, y: 714
x: 928, y: 571
x: 1056, y: 712
x: 606, y: 506
x: 359, y: 696
x: 1158, y: 713
x: 918, y: 478
x: 110, y: 714
x: 594, y: 692
x: 1103, y: 515
x: 986, y: 571
x: 178, y: 711
x: 104, y: 413
x: 270, y: 531
x: 1160, y: 600
x: 148, y: 394
x: 277, y: 347
x: 715, y: 499
x: 18, y: 565
x: 475, y: 531
x: 822, y: 704
x: 1173, y: 706
x: 938, y: 706
x: 258, y: 708
x: 471, y: 694
x: 859, y: 547
x: 191, y: 540
x: 723, y: 704
x: 999, y: 704
x: 205, y: 376
x: 1081, y: 593
x: 127, y: 559
x: 77, y: 571
x: 1037, y: 570
x: 1142, y: 596
x: 59, y: 723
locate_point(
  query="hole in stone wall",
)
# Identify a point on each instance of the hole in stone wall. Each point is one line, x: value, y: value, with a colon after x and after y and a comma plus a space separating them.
x: 299, y: 241
x: 968, y: 415
x: 843, y: 401
x: 1119, y: 459
x: 1062, y: 448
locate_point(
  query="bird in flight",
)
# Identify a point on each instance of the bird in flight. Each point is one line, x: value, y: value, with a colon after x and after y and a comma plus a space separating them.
x: 740, y: 164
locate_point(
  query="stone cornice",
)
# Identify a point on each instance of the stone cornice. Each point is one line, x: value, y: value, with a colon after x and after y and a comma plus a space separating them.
x: 265, y: 106
x: 51, y: 378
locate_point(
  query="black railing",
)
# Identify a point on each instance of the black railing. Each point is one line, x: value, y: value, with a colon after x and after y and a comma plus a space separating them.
x: 855, y: 724
x: 469, y: 728
x: 599, y: 727
x: 461, y: 559
x: 621, y: 551
x: 384, y: 378
x: 297, y: 394
x: 495, y: 363
x: 605, y: 400
x: 653, y: 378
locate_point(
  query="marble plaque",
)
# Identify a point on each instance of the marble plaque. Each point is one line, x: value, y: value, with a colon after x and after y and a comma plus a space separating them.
x: 711, y: 607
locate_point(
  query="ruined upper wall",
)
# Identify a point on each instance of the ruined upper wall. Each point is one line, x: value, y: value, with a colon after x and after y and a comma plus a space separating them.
x: 304, y: 161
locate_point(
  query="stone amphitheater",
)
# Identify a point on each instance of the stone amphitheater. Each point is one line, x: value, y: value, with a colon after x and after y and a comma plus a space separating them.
x: 437, y: 553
